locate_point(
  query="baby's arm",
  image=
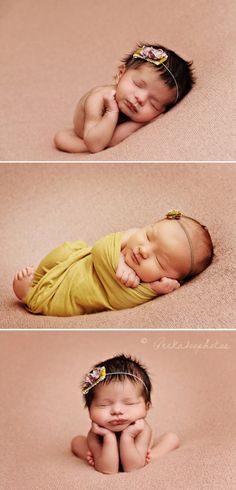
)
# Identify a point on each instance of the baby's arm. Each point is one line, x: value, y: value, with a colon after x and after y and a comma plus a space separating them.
x: 105, y: 453
x: 134, y: 444
x: 125, y: 274
x: 98, y: 130
x: 123, y: 131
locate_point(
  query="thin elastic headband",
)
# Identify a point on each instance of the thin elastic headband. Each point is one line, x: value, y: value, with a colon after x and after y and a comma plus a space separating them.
x: 98, y: 374
x: 157, y: 57
x: 176, y: 214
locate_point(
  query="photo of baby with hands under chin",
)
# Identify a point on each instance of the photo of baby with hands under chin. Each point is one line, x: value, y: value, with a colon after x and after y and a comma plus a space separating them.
x: 149, y: 82
x: 117, y: 393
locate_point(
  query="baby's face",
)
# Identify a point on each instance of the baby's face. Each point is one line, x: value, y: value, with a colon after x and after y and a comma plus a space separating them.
x: 159, y: 250
x: 118, y: 404
x: 141, y: 94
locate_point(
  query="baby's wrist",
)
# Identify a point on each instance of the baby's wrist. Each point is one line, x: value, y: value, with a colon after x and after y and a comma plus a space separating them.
x: 109, y: 436
x: 112, y: 113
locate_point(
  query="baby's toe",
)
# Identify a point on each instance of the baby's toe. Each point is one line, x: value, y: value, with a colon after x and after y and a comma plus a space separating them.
x: 89, y: 458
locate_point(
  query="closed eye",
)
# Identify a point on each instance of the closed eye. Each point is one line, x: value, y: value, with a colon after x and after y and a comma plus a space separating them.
x: 154, y: 107
x: 139, y: 83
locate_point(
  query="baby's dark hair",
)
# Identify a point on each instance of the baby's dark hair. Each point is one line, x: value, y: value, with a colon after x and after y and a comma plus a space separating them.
x: 123, y: 364
x: 181, y: 70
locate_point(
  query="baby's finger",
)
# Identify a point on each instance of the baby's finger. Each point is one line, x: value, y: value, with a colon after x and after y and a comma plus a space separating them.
x: 169, y: 284
x: 125, y: 277
x: 135, y: 282
x: 130, y: 279
x: 121, y: 274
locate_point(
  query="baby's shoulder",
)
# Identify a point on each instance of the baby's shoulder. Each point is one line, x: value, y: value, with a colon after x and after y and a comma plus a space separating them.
x: 99, y: 90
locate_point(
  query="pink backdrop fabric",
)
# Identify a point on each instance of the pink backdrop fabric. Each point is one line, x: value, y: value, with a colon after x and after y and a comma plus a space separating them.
x: 44, y: 205
x: 53, y: 52
x: 42, y: 409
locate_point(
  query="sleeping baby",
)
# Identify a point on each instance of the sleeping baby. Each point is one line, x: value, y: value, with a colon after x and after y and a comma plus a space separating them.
x: 121, y: 270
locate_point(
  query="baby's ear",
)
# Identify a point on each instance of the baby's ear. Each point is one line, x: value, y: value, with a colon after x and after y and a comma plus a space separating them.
x: 120, y: 72
x: 148, y: 405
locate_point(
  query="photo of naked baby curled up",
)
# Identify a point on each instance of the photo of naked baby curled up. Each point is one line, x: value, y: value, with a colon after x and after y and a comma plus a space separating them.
x: 91, y: 88
x: 92, y: 248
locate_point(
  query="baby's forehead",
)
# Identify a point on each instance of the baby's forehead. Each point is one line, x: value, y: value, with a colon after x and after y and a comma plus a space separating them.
x: 172, y: 224
x: 168, y: 232
x: 117, y: 386
x: 164, y: 226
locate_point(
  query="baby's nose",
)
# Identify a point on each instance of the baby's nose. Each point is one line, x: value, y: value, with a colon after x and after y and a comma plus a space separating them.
x: 117, y: 409
x: 141, y: 97
x: 144, y: 251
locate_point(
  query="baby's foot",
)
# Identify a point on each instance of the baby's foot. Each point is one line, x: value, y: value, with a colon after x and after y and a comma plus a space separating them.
x: 22, y: 282
x: 148, y: 456
x: 90, y: 458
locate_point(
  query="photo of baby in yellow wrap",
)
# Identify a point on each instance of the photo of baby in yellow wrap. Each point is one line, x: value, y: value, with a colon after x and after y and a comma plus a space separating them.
x: 121, y: 270
x: 117, y: 393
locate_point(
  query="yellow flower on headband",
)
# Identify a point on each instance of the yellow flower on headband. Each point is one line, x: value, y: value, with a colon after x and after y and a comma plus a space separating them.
x: 173, y: 214
x: 148, y: 53
x: 93, y: 378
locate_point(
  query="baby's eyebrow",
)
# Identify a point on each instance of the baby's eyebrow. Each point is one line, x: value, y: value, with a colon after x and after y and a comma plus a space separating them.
x: 127, y: 399
x: 103, y: 400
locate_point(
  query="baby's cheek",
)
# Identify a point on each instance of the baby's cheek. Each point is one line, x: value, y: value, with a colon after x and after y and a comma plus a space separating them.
x: 151, y: 272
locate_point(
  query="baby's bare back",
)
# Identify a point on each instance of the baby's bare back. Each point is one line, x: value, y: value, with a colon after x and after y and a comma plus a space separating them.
x: 97, y: 94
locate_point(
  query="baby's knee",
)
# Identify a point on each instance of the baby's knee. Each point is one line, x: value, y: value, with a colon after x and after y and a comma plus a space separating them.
x: 172, y: 440
x: 75, y: 444
x: 60, y: 140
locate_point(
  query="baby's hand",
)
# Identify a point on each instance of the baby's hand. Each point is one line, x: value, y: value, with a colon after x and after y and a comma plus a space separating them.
x: 100, y: 431
x: 134, y: 429
x: 126, y: 275
x: 110, y: 101
x: 165, y: 285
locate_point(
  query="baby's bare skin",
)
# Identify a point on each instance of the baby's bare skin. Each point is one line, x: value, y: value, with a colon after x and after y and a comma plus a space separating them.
x: 139, y: 93
x: 95, y: 123
x: 127, y: 276
x: 133, y: 447
x: 22, y: 282
x: 102, y: 97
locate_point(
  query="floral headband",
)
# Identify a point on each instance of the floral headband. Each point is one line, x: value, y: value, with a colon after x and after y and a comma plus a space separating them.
x: 176, y: 214
x: 157, y: 57
x: 98, y: 374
